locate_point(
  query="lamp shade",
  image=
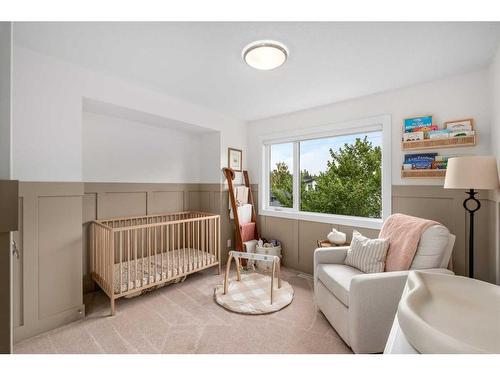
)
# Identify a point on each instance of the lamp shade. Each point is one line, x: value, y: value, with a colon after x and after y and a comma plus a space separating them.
x: 472, y: 172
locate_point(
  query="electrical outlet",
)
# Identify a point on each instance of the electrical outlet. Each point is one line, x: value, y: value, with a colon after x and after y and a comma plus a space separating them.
x: 228, y: 243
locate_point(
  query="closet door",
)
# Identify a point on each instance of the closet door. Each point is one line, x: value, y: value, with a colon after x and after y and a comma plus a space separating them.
x: 48, y: 273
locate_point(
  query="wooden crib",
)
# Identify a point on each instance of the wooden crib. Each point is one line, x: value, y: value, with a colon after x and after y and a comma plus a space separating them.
x: 130, y: 255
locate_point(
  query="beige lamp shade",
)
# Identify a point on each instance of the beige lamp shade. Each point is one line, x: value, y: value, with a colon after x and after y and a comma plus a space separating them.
x: 472, y: 172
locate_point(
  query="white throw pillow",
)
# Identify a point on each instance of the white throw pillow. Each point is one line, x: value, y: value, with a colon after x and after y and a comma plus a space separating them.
x: 432, y: 250
x: 367, y: 255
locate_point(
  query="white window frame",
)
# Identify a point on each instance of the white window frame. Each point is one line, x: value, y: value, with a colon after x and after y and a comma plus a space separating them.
x: 378, y: 123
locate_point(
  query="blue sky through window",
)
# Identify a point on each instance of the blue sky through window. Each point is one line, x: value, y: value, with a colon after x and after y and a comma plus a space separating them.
x: 282, y: 152
x: 314, y: 154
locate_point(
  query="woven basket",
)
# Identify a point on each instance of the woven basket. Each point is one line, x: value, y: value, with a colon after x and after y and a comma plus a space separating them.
x: 266, y: 266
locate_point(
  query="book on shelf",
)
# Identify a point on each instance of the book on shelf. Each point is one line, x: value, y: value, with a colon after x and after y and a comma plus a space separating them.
x: 420, y: 161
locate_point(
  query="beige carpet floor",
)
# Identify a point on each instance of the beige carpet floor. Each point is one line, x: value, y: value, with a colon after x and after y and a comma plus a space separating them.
x: 183, y: 318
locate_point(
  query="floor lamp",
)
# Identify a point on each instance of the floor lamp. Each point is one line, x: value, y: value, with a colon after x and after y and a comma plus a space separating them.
x: 472, y: 173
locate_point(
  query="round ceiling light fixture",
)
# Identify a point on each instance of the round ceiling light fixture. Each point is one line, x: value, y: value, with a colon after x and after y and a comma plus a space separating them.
x: 265, y: 54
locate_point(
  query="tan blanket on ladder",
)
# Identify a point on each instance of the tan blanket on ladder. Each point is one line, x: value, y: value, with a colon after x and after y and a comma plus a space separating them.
x: 404, y: 233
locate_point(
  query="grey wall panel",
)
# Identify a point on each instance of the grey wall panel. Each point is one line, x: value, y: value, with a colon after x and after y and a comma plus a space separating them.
x: 49, y: 275
x: 59, y: 254
x: 89, y: 207
x: 165, y: 201
x: 122, y: 204
x: 309, y: 233
x: 287, y: 231
x: 193, y: 200
x: 89, y: 213
x: 204, y: 203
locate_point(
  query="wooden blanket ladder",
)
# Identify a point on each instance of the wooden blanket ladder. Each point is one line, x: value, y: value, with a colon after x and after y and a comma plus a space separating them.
x: 230, y: 174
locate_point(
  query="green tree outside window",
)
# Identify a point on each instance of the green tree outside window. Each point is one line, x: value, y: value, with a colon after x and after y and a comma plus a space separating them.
x: 350, y: 185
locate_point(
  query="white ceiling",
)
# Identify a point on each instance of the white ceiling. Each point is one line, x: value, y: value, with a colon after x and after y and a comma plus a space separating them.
x: 201, y: 62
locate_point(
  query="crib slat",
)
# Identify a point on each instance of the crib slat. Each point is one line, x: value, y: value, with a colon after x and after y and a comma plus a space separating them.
x: 173, y: 251
x: 153, y: 252
x: 112, y: 261
x: 202, y: 234
x: 178, y: 248
x: 205, y: 243
x: 102, y: 264
x: 128, y: 259
x: 101, y: 261
x: 135, y: 258
x: 97, y: 270
x: 216, y: 225
x: 102, y: 256
x: 214, y: 240
x: 104, y: 273
x: 143, y: 245
x: 190, y: 267
x: 198, y: 237
x: 148, y: 230
x: 121, y: 261
x: 99, y: 249
x: 108, y: 260
x: 167, y: 232
x: 161, y: 252
x: 105, y: 258
x: 92, y: 246
x: 207, y: 239
x: 211, y: 227
x: 211, y: 239
x: 207, y: 236
x: 218, y: 245
x: 183, y: 247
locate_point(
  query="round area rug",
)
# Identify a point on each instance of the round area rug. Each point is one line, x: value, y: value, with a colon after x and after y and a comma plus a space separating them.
x: 251, y: 295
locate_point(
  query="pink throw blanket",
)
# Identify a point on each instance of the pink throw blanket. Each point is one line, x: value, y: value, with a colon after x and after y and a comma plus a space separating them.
x: 247, y: 232
x: 404, y: 233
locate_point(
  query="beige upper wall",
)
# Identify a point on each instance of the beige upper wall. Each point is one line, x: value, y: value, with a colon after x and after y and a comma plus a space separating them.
x: 452, y: 98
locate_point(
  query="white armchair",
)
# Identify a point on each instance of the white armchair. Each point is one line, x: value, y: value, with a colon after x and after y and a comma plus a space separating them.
x: 361, y: 306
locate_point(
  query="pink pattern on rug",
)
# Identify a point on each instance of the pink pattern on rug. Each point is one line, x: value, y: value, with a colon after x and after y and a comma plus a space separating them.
x: 404, y: 233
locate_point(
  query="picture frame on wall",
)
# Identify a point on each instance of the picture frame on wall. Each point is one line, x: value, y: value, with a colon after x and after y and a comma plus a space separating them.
x: 459, y: 125
x: 235, y: 159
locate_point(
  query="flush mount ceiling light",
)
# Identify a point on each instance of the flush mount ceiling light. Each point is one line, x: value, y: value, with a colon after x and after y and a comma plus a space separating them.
x: 265, y: 54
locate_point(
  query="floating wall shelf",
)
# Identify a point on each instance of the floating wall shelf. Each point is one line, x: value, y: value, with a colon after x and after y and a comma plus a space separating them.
x: 465, y: 141
x: 423, y: 173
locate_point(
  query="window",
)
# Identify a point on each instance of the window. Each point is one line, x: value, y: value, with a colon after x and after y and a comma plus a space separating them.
x: 334, y: 176
x: 280, y: 175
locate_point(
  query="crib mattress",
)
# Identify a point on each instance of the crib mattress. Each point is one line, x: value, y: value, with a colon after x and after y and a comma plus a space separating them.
x: 179, y: 262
